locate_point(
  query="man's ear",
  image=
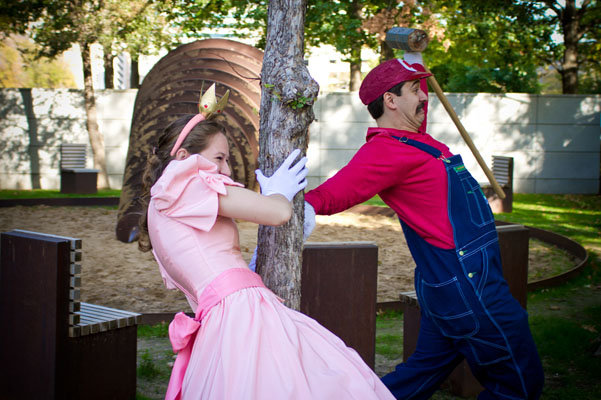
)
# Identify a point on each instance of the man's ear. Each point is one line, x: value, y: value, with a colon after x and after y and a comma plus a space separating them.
x: 181, y: 154
x: 389, y: 100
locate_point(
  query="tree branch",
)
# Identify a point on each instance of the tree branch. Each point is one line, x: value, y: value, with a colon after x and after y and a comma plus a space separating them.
x: 127, y: 24
x: 556, y: 7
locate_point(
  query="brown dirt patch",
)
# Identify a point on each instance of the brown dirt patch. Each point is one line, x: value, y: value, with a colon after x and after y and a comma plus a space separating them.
x: 116, y: 274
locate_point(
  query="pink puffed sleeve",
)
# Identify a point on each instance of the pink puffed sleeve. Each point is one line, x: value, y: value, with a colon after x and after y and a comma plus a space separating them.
x: 188, y: 191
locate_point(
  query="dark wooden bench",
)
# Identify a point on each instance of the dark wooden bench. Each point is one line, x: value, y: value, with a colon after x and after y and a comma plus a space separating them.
x: 75, y: 177
x: 513, y: 241
x: 502, y: 169
x: 339, y: 290
x: 53, y: 345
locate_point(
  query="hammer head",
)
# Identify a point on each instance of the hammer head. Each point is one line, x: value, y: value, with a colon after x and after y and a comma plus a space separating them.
x: 408, y: 39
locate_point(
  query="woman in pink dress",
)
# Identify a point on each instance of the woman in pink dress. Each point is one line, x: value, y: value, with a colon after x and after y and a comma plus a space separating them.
x: 243, y: 342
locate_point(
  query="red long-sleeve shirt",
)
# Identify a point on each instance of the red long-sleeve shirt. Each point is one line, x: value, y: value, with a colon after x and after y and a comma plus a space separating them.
x: 410, y: 181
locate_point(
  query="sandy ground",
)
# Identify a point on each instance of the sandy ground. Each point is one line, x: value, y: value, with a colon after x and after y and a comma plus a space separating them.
x: 117, y: 274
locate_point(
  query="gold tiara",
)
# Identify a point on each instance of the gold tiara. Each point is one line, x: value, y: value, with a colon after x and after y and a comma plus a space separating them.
x: 208, y: 102
x: 207, y: 106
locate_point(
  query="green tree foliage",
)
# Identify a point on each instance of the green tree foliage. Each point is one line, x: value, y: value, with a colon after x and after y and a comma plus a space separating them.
x: 58, y: 25
x: 20, y: 68
x: 487, y: 47
x: 382, y: 15
x: 16, y: 16
x: 240, y: 18
x: 503, y: 44
x: 339, y: 24
x: 469, y: 51
x: 577, y: 57
x: 138, y: 27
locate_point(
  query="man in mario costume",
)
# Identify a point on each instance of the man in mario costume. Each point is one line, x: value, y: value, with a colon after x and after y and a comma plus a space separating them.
x: 467, y: 311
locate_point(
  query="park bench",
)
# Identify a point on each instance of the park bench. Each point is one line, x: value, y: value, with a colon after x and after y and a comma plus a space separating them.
x: 339, y: 290
x: 513, y: 242
x: 52, y: 345
x: 75, y: 177
x: 502, y: 169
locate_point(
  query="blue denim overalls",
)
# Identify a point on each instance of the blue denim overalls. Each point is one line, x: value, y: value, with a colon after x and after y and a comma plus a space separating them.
x: 467, y: 310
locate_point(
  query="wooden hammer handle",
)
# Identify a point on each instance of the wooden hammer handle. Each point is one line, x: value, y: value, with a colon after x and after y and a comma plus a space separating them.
x: 466, y: 138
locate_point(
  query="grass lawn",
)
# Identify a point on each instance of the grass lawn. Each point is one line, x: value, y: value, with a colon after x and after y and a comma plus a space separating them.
x: 52, y: 194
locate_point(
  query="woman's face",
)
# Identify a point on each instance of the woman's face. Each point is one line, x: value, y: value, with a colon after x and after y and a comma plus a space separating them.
x: 218, y: 152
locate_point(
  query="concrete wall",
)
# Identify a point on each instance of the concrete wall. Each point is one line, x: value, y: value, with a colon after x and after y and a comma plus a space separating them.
x: 555, y: 140
x: 34, y: 122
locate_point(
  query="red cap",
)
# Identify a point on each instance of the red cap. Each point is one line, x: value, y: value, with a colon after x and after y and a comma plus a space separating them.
x: 385, y: 76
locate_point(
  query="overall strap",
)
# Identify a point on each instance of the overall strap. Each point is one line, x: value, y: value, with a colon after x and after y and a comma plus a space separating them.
x: 433, y: 151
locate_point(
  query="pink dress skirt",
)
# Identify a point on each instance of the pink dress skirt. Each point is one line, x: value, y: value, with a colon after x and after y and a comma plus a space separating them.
x: 244, y: 342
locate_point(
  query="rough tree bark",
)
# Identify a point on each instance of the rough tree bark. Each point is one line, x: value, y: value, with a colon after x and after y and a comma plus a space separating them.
x: 96, y: 138
x: 355, y: 64
x: 109, y: 71
x: 287, y: 95
x: 386, y: 52
x: 355, y: 71
x: 570, y: 22
x: 134, y: 82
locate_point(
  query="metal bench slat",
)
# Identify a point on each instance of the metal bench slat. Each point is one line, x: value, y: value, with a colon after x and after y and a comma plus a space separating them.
x: 74, y: 331
x: 74, y: 319
x: 95, y: 325
x: 91, y: 317
x: 74, y: 294
x: 73, y: 155
x: 74, y: 306
x: 75, y: 243
x: 409, y: 298
x: 75, y: 282
x: 116, y: 318
x: 75, y: 256
x: 75, y: 269
x: 84, y: 330
x: 113, y: 310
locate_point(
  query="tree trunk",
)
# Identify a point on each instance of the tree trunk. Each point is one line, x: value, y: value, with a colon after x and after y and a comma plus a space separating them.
x: 569, y: 68
x: 355, y: 70
x: 287, y: 95
x: 355, y: 81
x: 109, y: 71
x: 386, y: 52
x: 135, y: 74
x: 96, y: 138
x: 34, y: 141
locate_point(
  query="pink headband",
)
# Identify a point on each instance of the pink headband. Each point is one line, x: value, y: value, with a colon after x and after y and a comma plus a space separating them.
x: 207, y: 106
x: 184, y: 133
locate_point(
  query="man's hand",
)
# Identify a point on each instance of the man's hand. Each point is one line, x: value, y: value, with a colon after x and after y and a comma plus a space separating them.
x: 309, y: 224
x: 413, y: 57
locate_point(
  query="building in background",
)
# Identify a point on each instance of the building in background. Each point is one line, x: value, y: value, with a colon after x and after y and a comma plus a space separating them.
x: 325, y: 65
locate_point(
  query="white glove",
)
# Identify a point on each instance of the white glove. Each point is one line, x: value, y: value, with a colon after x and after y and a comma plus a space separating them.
x: 309, y: 224
x: 252, y: 265
x: 413, y: 57
x: 287, y: 180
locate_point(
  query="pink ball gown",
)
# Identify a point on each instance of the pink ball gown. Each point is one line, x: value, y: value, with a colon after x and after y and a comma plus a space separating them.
x: 243, y: 343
